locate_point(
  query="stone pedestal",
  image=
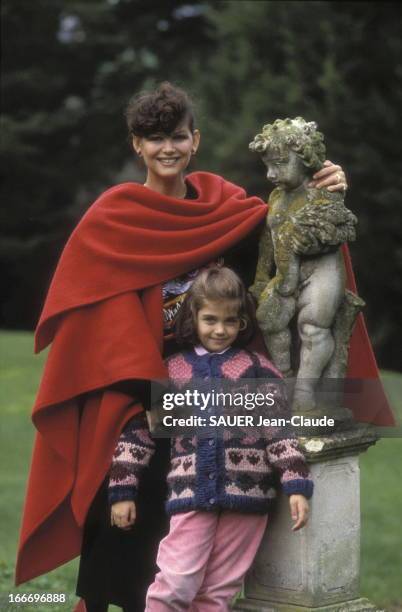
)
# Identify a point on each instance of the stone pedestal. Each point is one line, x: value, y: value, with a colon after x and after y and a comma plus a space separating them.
x: 316, y: 568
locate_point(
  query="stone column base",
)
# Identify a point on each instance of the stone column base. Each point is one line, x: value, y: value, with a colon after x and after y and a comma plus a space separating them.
x: 352, y: 605
x: 318, y: 567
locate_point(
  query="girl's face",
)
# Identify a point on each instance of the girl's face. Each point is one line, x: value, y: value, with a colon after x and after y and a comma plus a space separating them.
x: 218, y: 324
x: 166, y: 156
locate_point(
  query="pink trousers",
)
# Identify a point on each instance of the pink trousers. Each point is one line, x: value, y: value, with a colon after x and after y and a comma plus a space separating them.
x: 203, y: 560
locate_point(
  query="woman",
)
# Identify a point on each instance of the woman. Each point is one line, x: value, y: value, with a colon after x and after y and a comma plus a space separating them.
x: 103, y: 317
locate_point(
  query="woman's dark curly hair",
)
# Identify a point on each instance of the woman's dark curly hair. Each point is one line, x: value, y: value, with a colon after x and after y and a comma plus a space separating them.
x: 214, y: 284
x: 161, y: 110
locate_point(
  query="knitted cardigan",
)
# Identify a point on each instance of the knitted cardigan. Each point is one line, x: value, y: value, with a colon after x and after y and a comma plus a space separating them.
x: 219, y: 471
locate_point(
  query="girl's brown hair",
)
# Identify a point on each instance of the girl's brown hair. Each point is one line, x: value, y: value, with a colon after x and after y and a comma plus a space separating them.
x: 213, y: 284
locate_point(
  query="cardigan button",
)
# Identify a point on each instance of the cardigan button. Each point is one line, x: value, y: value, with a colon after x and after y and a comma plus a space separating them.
x: 212, y: 500
x: 211, y: 475
x: 211, y: 442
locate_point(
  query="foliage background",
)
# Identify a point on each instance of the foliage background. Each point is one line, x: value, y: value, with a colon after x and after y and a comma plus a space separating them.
x: 69, y: 67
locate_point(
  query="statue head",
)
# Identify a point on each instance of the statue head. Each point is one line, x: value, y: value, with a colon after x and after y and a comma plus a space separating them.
x: 292, y: 150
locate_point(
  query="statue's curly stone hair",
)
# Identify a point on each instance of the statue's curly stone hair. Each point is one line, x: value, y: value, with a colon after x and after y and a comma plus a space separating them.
x: 296, y: 135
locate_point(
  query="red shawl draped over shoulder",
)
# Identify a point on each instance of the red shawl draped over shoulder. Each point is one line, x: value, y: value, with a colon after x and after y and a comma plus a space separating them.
x: 103, y: 318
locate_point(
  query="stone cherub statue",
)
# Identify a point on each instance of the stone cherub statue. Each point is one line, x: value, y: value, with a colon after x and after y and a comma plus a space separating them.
x: 304, y: 231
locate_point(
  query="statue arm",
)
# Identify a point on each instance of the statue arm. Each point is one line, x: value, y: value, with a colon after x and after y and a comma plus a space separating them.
x: 322, y: 225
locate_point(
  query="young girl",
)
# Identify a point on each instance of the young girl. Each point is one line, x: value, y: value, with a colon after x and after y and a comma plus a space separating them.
x: 220, y: 488
x: 126, y: 266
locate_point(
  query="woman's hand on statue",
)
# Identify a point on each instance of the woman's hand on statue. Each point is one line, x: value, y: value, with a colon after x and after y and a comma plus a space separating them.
x: 330, y: 176
x: 123, y: 514
x: 298, y: 511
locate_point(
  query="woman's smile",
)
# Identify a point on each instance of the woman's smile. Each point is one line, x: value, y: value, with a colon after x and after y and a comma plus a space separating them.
x: 168, y: 161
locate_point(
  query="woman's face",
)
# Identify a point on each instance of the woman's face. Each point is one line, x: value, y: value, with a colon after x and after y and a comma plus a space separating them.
x: 166, y: 156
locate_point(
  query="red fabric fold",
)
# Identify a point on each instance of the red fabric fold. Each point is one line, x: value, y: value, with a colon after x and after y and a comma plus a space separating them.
x: 129, y: 239
x: 369, y: 404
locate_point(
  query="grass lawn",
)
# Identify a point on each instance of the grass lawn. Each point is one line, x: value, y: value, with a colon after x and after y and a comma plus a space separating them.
x: 381, y: 498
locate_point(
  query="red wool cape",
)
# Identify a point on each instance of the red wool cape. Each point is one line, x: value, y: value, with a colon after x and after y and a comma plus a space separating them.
x: 103, y: 318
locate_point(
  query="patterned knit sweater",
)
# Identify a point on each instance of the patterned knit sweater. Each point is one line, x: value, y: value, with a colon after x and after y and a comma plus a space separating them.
x: 222, y: 470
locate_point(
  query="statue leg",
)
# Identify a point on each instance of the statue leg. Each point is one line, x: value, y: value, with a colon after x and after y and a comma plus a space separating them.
x: 273, y: 315
x: 287, y: 273
x: 342, y: 331
x: 278, y: 345
x: 317, y: 346
x: 319, y: 299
